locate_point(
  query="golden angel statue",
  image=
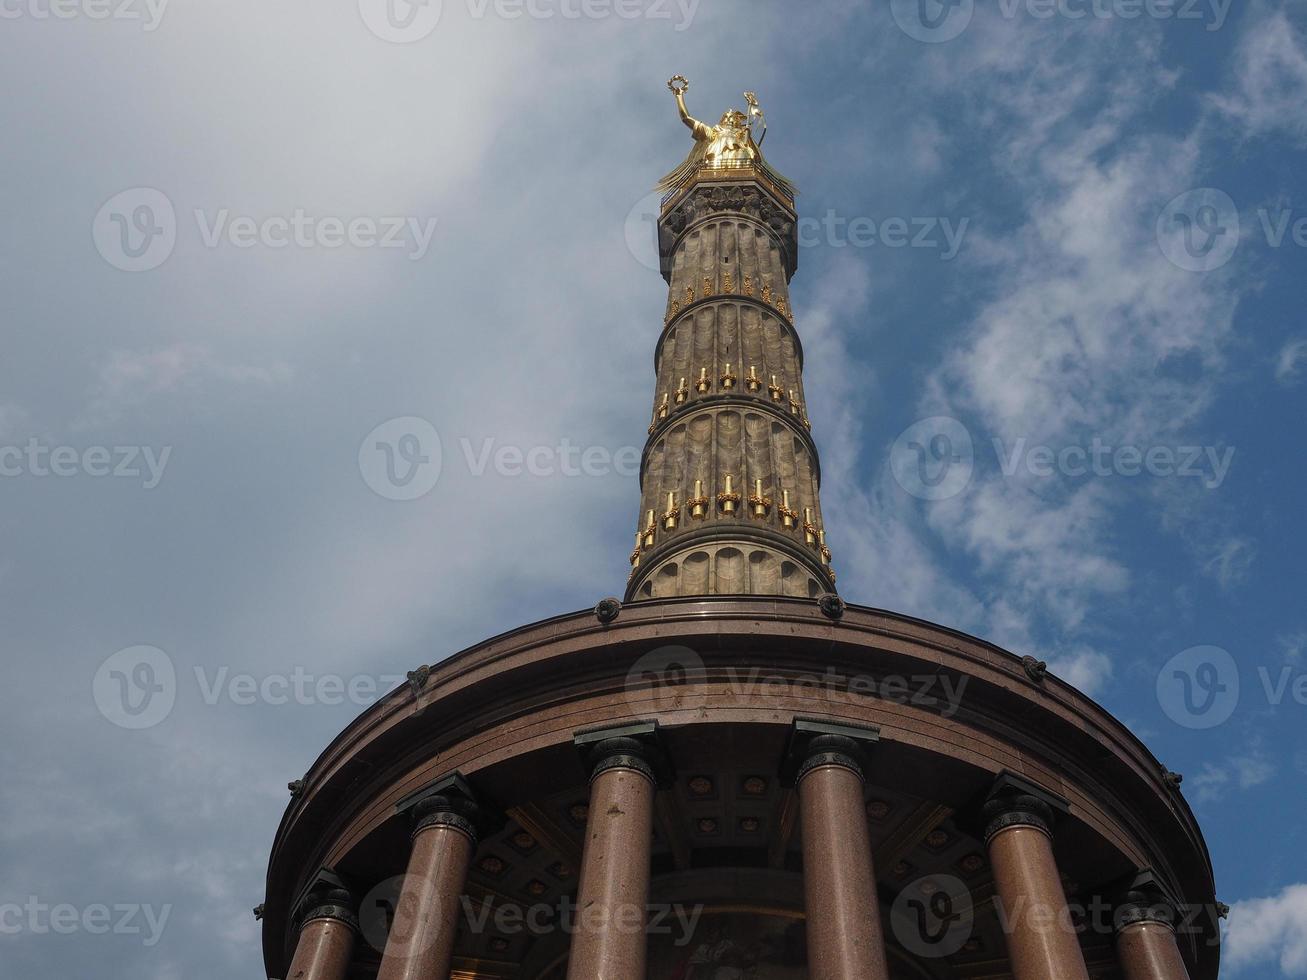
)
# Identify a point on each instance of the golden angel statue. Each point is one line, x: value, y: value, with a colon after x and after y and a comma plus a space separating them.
x: 728, y: 145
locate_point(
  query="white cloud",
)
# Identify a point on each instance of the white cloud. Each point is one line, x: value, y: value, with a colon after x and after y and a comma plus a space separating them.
x: 1088, y: 670
x: 1086, y: 315
x: 1239, y: 772
x: 927, y: 143
x: 1270, y: 80
x: 1292, y: 645
x: 1268, y: 930
x: 1288, y: 363
x: 129, y: 380
x: 1229, y: 560
x: 1048, y: 553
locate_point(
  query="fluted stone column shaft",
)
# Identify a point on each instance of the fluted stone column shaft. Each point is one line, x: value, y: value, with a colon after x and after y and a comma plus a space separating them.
x: 421, y: 941
x: 1042, y: 942
x: 325, y: 946
x: 730, y: 477
x: 1147, y: 950
x: 845, y: 941
x: 610, y: 941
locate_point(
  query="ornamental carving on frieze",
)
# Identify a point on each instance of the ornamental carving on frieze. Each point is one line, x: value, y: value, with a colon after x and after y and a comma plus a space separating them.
x: 745, y: 200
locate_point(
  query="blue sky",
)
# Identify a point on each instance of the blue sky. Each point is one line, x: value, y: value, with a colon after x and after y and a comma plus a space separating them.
x: 1122, y: 192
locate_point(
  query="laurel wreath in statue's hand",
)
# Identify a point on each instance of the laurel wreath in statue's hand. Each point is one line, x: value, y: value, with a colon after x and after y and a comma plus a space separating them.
x: 671, y: 84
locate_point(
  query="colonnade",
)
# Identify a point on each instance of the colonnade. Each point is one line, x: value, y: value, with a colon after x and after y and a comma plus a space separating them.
x: 845, y: 942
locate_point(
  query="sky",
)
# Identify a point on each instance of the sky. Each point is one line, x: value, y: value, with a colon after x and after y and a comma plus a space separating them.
x: 327, y: 343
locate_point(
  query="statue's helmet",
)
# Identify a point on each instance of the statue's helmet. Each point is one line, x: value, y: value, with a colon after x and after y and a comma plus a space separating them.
x: 734, y: 117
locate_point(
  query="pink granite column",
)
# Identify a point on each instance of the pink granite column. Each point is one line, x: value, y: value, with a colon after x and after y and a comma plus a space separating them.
x: 421, y: 941
x: 326, y: 939
x: 610, y: 941
x: 1041, y: 939
x: 1146, y: 946
x: 845, y: 941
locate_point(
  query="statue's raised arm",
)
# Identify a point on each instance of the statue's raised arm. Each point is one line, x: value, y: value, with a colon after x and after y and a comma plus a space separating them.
x: 678, y: 85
